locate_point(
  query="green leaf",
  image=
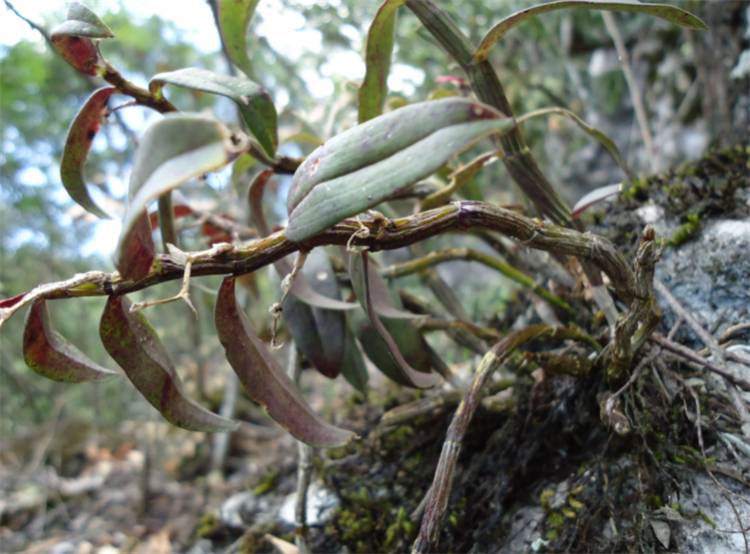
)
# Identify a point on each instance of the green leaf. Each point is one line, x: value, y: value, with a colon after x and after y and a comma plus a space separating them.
x: 240, y: 167
x: 354, y: 368
x: 379, y: 138
x: 331, y: 201
x: 82, y: 22
x: 51, y: 356
x: 135, y: 346
x: 593, y: 132
x: 318, y: 332
x: 253, y: 101
x: 264, y: 380
x: 81, y: 134
x: 672, y: 14
x: 374, y: 88
x: 234, y: 19
x: 173, y: 150
x: 374, y: 286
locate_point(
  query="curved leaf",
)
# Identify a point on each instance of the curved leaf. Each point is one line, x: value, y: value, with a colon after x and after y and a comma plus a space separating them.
x: 591, y: 131
x: 264, y: 380
x: 136, y: 251
x: 234, y: 17
x: 51, y: 356
x: 173, y: 150
x: 324, y: 328
x: 253, y: 101
x: 404, y: 372
x: 594, y: 197
x: 354, y: 368
x: 79, y: 52
x: 81, y: 134
x: 82, y: 22
x: 672, y: 14
x: 135, y: 346
x: 378, y: 53
x: 373, y: 285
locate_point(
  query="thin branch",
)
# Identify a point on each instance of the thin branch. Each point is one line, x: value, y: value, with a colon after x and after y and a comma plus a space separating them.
x: 635, y: 92
x: 467, y: 254
x: 383, y: 234
x: 691, y: 356
x: 682, y: 313
x: 35, y: 26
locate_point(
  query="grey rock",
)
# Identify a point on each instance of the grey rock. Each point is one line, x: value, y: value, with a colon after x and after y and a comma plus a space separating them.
x: 710, y: 275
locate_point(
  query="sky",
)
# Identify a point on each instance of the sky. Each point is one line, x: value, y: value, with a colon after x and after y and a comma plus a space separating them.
x: 284, y: 29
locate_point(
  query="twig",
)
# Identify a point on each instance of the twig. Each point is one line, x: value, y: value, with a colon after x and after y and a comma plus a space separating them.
x: 726, y: 493
x: 682, y: 313
x: 35, y: 26
x: 635, y: 93
x: 484, y: 333
x: 734, y: 330
x: 611, y: 403
x: 691, y: 356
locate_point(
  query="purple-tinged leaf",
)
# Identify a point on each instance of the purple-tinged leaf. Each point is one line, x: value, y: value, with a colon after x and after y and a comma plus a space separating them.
x: 51, y: 356
x: 173, y: 150
x: 407, y: 374
x: 234, y: 17
x: 6, y: 303
x: 81, y: 134
x: 672, y: 14
x: 264, y: 380
x: 378, y: 51
x: 80, y: 52
x: 73, y: 39
x: 594, y: 197
x: 255, y: 200
x: 136, y: 251
x: 253, y: 101
x: 135, y: 346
